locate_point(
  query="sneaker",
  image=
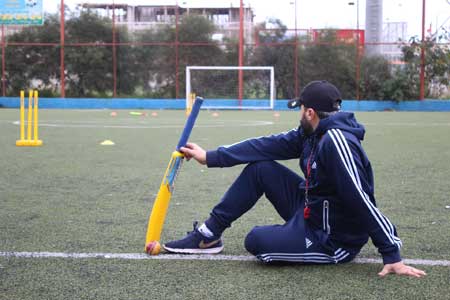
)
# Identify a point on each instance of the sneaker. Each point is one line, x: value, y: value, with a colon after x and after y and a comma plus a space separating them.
x: 195, y: 243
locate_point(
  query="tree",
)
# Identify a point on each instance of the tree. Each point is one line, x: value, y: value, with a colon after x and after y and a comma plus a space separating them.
x: 157, y: 69
x: 327, y: 59
x: 281, y: 56
x: 437, y: 62
x: 405, y: 83
x: 90, y: 68
x: 153, y: 59
x: 321, y: 59
x: 33, y: 66
x: 376, y: 73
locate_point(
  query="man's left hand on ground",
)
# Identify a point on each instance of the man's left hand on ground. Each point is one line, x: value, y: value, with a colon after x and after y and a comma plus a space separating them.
x: 400, y: 268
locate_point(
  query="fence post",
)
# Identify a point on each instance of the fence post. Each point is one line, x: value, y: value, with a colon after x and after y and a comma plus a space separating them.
x: 3, y: 62
x: 114, y: 53
x: 422, y: 56
x: 61, y: 50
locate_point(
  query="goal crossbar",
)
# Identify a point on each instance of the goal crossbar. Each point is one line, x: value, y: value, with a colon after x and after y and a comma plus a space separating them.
x: 266, y: 102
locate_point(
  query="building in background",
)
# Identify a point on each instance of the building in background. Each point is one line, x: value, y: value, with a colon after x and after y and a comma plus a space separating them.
x: 442, y: 29
x: 345, y: 36
x: 374, y: 26
x: 224, y: 14
x: 394, y: 33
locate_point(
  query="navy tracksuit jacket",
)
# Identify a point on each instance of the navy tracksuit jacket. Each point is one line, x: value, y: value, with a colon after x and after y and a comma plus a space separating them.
x: 343, y: 210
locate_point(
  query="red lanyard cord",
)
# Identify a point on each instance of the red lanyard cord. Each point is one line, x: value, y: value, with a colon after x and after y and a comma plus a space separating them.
x: 307, y: 210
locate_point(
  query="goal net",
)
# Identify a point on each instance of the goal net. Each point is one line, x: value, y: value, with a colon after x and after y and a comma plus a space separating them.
x: 231, y: 87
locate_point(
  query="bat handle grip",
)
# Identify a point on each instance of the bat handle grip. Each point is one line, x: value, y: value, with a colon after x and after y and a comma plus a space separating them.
x: 190, y: 123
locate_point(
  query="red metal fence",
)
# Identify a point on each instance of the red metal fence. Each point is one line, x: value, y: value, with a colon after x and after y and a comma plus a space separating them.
x: 176, y: 52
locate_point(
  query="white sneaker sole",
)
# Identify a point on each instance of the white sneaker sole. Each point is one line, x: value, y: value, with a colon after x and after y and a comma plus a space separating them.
x: 194, y: 251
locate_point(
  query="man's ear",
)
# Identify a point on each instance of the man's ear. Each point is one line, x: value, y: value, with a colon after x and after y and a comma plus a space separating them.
x: 310, y: 114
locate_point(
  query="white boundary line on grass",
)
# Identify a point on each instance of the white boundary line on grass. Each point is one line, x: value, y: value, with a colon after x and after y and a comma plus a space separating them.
x: 124, y: 126
x: 142, y: 256
x: 230, y: 123
x: 412, y: 124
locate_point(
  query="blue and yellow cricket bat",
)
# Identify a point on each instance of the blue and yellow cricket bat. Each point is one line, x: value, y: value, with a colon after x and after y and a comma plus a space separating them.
x: 159, y: 210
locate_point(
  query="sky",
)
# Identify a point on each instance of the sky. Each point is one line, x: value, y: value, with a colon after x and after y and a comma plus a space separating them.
x: 315, y: 13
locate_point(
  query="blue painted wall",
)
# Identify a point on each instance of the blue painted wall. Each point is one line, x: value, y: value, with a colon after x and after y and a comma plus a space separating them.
x: 135, y: 103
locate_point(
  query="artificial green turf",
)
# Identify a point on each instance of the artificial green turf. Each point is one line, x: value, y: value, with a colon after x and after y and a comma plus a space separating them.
x: 73, y: 195
x: 118, y: 279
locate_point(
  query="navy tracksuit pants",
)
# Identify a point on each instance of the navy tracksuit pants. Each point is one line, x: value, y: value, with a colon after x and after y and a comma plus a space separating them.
x: 293, y: 241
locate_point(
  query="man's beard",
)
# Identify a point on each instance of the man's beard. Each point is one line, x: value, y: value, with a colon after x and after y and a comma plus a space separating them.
x: 306, y: 126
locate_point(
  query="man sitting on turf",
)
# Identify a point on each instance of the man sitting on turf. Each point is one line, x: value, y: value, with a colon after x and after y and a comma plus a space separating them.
x: 330, y: 214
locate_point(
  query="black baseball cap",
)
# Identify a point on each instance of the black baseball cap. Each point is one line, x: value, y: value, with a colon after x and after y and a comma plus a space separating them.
x: 319, y: 95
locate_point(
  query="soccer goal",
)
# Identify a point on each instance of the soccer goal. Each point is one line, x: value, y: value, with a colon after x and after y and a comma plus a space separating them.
x: 231, y: 87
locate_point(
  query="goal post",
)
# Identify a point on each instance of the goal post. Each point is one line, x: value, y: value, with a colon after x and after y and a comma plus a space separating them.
x: 222, y: 88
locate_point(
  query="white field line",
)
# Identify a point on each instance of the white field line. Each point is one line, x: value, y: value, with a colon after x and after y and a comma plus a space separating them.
x: 217, y: 257
x: 228, y: 123
x: 408, y: 124
x: 93, y: 125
